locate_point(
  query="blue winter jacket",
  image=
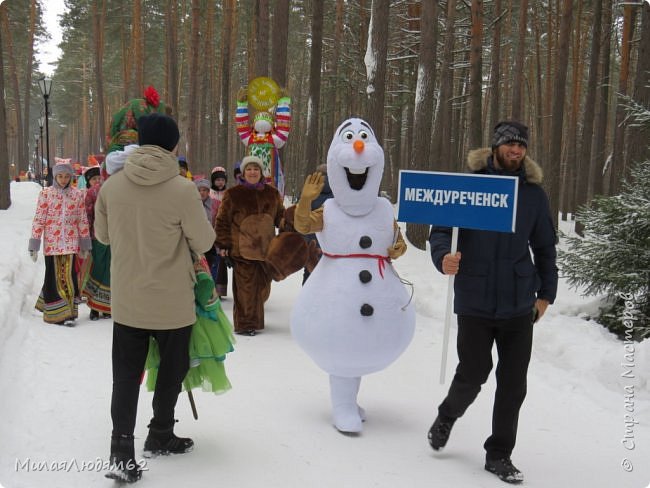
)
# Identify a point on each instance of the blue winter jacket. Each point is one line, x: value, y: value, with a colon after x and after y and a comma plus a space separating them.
x: 497, y: 277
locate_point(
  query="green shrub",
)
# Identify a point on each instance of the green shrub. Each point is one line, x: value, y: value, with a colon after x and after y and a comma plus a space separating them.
x: 613, y: 257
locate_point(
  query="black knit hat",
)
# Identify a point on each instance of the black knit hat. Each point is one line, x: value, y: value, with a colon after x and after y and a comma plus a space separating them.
x: 218, y: 172
x: 90, y: 172
x: 158, y: 130
x: 509, y: 131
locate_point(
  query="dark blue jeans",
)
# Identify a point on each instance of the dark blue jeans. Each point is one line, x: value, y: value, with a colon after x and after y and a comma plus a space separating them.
x: 514, y: 339
x: 130, y: 347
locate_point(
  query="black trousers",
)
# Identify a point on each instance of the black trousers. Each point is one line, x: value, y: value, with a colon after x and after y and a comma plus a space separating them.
x: 514, y: 339
x: 130, y: 347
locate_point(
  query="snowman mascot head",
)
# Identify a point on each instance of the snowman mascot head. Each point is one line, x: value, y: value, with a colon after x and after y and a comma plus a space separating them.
x: 355, y: 163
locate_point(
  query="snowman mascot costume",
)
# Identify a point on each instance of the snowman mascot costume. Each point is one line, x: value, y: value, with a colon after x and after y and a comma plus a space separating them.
x: 353, y: 316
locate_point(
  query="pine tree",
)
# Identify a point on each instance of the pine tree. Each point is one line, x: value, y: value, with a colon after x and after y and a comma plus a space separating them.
x: 614, y: 255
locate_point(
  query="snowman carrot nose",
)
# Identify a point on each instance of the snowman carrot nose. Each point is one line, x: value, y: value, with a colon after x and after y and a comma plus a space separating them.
x: 358, y: 146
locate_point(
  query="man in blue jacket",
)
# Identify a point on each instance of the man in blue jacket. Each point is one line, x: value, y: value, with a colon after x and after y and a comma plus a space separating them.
x: 500, y: 292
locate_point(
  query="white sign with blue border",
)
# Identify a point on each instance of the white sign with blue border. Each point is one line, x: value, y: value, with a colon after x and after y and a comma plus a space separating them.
x: 467, y: 201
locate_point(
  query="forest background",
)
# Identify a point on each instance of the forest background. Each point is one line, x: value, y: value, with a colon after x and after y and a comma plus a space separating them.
x: 431, y: 77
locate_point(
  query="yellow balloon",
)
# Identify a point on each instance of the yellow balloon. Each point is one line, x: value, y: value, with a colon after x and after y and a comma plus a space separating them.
x: 263, y: 93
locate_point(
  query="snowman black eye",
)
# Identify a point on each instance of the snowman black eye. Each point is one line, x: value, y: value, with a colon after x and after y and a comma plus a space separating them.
x: 363, y: 135
x: 347, y: 136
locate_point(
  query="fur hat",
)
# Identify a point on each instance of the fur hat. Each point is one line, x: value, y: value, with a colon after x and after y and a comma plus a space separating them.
x: 509, y: 131
x: 91, y: 172
x: 202, y: 183
x: 158, y: 130
x: 250, y: 160
x: 62, y: 168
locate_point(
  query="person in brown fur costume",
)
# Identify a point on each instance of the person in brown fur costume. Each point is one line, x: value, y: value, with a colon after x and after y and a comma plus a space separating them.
x: 245, y: 226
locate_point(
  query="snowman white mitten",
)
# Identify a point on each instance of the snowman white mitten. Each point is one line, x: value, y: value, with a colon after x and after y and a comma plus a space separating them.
x: 346, y: 413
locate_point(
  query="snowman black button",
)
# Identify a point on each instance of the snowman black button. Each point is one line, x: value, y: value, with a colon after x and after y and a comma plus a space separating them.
x: 367, y: 310
x: 365, y: 242
x: 365, y: 276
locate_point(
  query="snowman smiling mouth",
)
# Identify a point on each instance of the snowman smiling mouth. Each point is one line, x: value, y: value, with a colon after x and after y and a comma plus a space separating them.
x: 356, y: 177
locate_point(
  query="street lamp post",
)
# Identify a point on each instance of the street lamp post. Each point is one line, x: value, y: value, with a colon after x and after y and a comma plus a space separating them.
x: 41, y: 121
x: 36, y: 170
x: 45, y: 84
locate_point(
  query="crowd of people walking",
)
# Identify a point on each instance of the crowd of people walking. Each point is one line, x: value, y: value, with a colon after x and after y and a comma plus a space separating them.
x: 150, y: 246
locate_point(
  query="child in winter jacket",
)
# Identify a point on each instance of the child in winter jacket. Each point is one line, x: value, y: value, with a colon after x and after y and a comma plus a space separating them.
x: 62, y: 224
x: 219, y: 179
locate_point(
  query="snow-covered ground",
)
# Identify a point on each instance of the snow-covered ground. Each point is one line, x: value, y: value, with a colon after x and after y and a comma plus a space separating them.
x: 273, y: 428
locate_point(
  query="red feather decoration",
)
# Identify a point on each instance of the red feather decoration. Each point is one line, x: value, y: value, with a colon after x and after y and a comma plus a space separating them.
x: 151, y: 96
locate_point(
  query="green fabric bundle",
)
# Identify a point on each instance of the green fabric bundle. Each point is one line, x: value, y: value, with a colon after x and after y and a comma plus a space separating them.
x: 124, y: 127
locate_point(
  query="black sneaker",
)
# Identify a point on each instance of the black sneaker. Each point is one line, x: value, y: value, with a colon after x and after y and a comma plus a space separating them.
x: 504, y: 469
x: 164, y: 443
x: 106, y: 315
x: 94, y: 315
x: 439, y: 433
x: 123, y: 466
